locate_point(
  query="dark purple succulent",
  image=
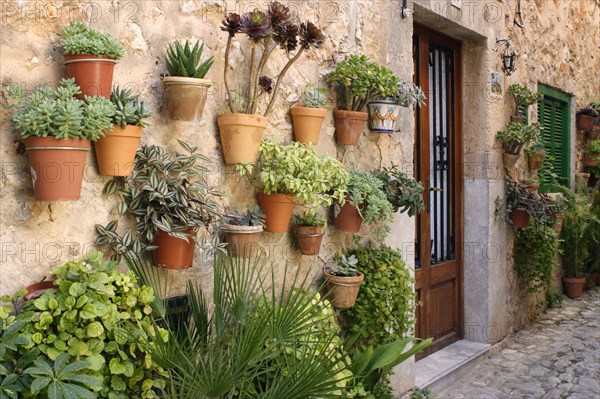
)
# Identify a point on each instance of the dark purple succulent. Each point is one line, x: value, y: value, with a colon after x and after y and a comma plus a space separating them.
x: 279, y: 14
x: 311, y: 36
x: 231, y: 23
x: 287, y: 36
x: 256, y: 25
x: 266, y: 84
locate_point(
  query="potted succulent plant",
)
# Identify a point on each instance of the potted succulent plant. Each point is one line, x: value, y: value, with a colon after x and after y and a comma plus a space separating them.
x: 383, y: 113
x: 523, y: 98
x: 535, y: 156
x: 308, y: 115
x: 403, y: 192
x: 343, y: 281
x: 294, y: 172
x: 115, y: 151
x: 309, y: 229
x: 586, y: 117
x: 185, y: 87
x: 90, y: 58
x: 358, y: 82
x: 366, y: 200
x: 514, y: 137
x: 592, y: 153
x: 241, y: 130
x: 242, y: 231
x: 519, y: 205
x: 57, y: 129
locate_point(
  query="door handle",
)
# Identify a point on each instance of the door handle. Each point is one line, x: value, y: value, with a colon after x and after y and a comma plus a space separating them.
x: 438, y: 189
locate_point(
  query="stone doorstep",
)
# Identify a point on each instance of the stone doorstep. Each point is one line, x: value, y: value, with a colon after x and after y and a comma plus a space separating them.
x: 442, y: 369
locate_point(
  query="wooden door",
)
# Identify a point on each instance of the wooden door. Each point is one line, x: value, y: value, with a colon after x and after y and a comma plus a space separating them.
x: 438, y: 164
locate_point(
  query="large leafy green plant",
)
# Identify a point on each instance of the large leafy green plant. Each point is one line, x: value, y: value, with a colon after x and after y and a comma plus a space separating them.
x: 129, y: 110
x: 359, y: 81
x: 515, y: 135
x: 523, y: 98
x: 579, y: 235
x: 185, y: 60
x: 78, y: 38
x: 56, y: 113
x: 403, y: 192
x: 518, y: 197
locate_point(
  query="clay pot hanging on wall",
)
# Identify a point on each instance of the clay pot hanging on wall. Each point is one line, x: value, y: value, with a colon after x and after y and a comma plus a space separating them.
x: 349, y: 125
x: 343, y: 290
x: 589, y: 161
x: 510, y: 160
x: 585, y: 122
x: 573, y: 286
x: 383, y: 116
x: 57, y: 167
x: 173, y: 252
x: 535, y: 160
x: 242, y: 241
x: 278, y: 211
x: 92, y: 73
x: 581, y: 180
x: 347, y: 218
x: 36, y: 290
x: 309, y: 239
x: 115, y: 152
x: 307, y: 123
x: 520, y: 218
x: 185, y: 97
x: 241, y: 135
x: 560, y: 217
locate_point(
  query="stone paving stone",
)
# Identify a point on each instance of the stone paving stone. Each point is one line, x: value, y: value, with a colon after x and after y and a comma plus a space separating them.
x: 557, y: 357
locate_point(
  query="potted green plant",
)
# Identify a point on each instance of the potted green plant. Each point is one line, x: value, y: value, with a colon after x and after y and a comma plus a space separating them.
x: 185, y: 87
x: 523, y: 98
x: 308, y: 115
x: 514, y: 136
x: 170, y: 201
x: 57, y: 129
x: 535, y: 156
x: 309, y: 229
x: 592, y: 153
x: 358, y: 81
x: 531, y: 184
x: 343, y: 281
x: 294, y: 172
x: 520, y: 205
x: 403, y: 192
x: 366, y: 200
x: 242, y: 231
x: 586, y: 117
x: 115, y: 151
x: 384, y: 113
x: 90, y: 58
x: 241, y: 130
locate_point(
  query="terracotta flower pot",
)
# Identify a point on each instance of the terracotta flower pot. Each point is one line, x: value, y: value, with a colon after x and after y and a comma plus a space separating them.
x: 585, y: 122
x: 278, y: 211
x: 57, y: 167
x: 594, y: 133
x: 343, y: 290
x: 536, y: 160
x: 115, y: 152
x: 242, y: 241
x: 309, y: 238
x: 307, y: 123
x: 531, y: 187
x: 173, y: 252
x: 560, y: 217
x: 517, y: 118
x: 241, y: 135
x: 581, y: 180
x: 573, y: 286
x: 349, y: 125
x: 519, y: 218
x: 93, y: 74
x: 510, y: 160
x: 185, y: 97
x: 347, y: 218
x: 36, y: 290
x: 383, y: 116
x: 588, y: 161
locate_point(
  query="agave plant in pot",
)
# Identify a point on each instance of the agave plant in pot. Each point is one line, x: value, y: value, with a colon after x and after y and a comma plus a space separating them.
x: 403, y: 192
x: 170, y: 201
x: 185, y: 87
x: 294, y: 172
x: 57, y: 129
x: 343, y: 281
x: 308, y: 115
x: 523, y: 99
x: 514, y: 137
x: 384, y: 113
x: 90, y: 58
x: 309, y: 229
x: 241, y: 130
x: 358, y: 81
x: 115, y: 151
x: 242, y: 231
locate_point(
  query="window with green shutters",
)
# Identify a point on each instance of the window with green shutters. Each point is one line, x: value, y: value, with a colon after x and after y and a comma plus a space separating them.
x: 553, y: 116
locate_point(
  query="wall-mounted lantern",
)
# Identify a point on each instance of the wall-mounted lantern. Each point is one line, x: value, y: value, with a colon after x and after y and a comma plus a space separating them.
x: 508, y: 55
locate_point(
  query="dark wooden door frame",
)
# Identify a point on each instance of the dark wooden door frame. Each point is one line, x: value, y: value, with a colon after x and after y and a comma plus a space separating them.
x: 426, y: 276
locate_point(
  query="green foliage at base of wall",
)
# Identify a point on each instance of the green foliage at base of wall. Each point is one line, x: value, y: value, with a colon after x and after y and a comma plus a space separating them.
x: 535, y: 255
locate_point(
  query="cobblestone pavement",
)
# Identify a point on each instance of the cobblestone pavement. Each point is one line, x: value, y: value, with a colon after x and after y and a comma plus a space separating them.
x: 557, y: 357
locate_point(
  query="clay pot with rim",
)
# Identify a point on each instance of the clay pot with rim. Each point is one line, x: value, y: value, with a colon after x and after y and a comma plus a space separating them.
x: 92, y: 73
x: 594, y: 133
x: 185, y: 97
x: 309, y: 238
x: 242, y: 241
x: 581, y: 179
x: 277, y: 209
x: 520, y: 218
x: 531, y: 187
x: 584, y: 122
x: 536, y: 160
x: 383, y: 116
x: 307, y: 123
x: 517, y: 118
x: 115, y: 152
x: 57, y: 167
x: 173, y: 252
x: 347, y: 218
x: 241, y: 135
x: 349, y: 126
x: 342, y: 290
x: 510, y: 160
x: 589, y: 161
x: 573, y: 286
x: 560, y: 217
x: 36, y: 290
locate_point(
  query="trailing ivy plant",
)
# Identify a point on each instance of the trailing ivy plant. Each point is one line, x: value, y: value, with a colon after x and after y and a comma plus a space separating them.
x: 78, y: 38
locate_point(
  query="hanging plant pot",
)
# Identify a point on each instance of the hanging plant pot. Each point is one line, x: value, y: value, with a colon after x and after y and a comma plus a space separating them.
x: 115, y: 152
x: 242, y: 241
x: 589, y: 161
x: 307, y: 123
x: 383, y: 116
x: 278, y: 211
x: 241, y: 135
x: 585, y: 122
x: 57, y: 167
x: 93, y: 74
x: 581, y: 180
x: 510, y: 160
x: 573, y: 286
x: 349, y: 125
x: 347, y: 218
x: 560, y: 217
x: 343, y: 290
x: 185, y: 97
x: 173, y: 252
x: 520, y: 218
x: 36, y: 290
x: 532, y: 187
x: 594, y: 133
x: 309, y: 238
x: 517, y: 118
x: 535, y: 160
